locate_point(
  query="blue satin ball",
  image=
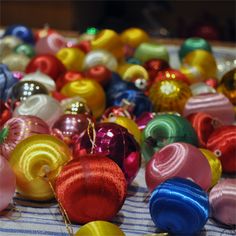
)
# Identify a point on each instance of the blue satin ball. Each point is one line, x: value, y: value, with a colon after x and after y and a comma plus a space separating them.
x: 137, y: 99
x: 179, y: 206
x: 7, y: 80
x: 22, y: 32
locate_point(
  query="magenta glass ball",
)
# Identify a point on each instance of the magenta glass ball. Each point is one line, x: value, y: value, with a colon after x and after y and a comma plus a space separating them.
x: 178, y: 160
x: 70, y: 128
x: 115, y: 142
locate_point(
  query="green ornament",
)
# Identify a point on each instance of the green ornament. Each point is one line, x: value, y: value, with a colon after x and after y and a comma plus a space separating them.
x: 165, y: 129
x: 147, y: 51
x: 91, y: 31
x: 192, y: 44
x: 25, y: 49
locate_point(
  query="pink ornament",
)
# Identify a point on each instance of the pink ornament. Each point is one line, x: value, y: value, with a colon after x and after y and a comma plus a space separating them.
x: 223, y: 201
x: 18, y: 74
x: 143, y: 120
x: 115, y: 142
x: 178, y: 160
x: 51, y: 44
x: 42, y: 106
x: 215, y: 104
x: 7, y: 183
x: 18, y: 128
x: 70, y: 128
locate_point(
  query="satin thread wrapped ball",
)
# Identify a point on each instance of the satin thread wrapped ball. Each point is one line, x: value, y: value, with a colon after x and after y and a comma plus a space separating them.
x: 179, y: 206
x: 216, y: 168
x: 100, y: 57
x: 134, y: 37
x: 143, y: 120
x: 115, y: 111
x: 192, y: 44
x: 204, y: 125
x: 115, y: 142
x: 222, y: 143
x: 25, y: 49
x: 165, y: 129
x: 99, y: 228
x: 36, y: 104
x: 176, y: 159
x: 169, y: 95
x: 223, y: 202
x: 86, y: 88
x: 147, y: 51
x: 72, y: 58
x: 201, y: 88
x: 215, y: 104
x: 7, y: 183
x: 96, y: 181
x: 18, y: 128
x: 35, y: 158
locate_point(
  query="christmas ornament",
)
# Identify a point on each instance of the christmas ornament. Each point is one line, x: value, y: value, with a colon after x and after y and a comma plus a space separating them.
x: 25, y: 49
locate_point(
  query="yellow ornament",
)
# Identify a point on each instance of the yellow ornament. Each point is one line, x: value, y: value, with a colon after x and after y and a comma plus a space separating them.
x: 72, y: 58
x: 91, y: 91
x: 169, y: 95
x: 134, y: 36
x: 130, y: 71
x: 216, y: 168
x: 193, y: 73
x: 99, y: 228
x: 129, y: 124
x: 203, y: 60
x: 35, y: 158
x: 109, y: 40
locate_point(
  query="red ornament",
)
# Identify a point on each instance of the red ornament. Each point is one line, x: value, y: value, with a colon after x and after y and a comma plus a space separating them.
x: 70, y: 128
x: 47, y: 64
x: 204, y: 125
x: 91, y: 188
x: 222, y: 142
x: 58, y: 96
x: 154, y: 66
x: 99, y: 73
x: 171, y: 74
x: 84, y: 46
x: 115, y: 142
x: 5, y: 112
x: 43, y: 33
x: 67, y: 77
x: 213, y: 82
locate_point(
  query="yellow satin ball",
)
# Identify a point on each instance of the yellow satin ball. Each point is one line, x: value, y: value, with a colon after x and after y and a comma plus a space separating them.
x: 169, y: 95
x: 215, y: 164
x: 130, y: 71
x: 129, y: 124
x: 72, y: 58
x: 35, y: 158
x: 99, y: 228
x: 202, y: 59
x: 91, y: 91
x: 109, y: 40
x: 134, y: 36
x: 193, y: 73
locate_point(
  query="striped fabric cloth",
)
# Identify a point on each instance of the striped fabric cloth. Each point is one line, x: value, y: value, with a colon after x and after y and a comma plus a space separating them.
x: 33, y: 218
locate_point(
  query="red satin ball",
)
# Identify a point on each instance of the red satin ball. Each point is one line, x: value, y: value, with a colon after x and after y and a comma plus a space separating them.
x: 58, y: 96
x: 154, y: 66
x: 222, y: 142
x: 84, y: 46
x: 91, y: 188
x: 67, y: 77
x: 213, y: 82
x: 171, y: 74
x: 115, y: 111
x: 114, y: 141
x: 204, y: 125
x: 47, y: 64
x: 99, y: 73
x: 70, y: 128
x: 5, y: 112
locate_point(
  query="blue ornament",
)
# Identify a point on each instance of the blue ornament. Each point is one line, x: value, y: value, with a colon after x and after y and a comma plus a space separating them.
x: 22, y: 32
x: 179, y: 206
x: 7, y: 80
x: 134, y: 98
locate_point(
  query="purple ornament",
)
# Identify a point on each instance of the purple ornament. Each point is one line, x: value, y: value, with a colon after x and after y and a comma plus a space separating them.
x: 115, y: 142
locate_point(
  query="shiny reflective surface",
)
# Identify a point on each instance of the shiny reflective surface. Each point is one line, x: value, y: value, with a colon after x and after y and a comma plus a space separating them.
x: 177, y: 159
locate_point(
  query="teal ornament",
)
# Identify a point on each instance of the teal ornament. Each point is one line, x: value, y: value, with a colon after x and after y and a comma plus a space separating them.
x: 165, y: 129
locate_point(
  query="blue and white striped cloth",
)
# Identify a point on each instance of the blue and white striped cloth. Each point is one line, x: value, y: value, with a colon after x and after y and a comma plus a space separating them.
x: 33, y: 218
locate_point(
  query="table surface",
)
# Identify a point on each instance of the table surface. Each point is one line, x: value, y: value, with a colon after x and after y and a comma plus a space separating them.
x: 34, y: 218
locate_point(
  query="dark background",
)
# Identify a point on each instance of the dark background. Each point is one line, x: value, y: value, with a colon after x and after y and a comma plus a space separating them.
x: 167, y: 18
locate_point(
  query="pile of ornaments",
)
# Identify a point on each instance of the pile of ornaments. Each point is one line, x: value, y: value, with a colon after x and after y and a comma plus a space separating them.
x: 79, y: 114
